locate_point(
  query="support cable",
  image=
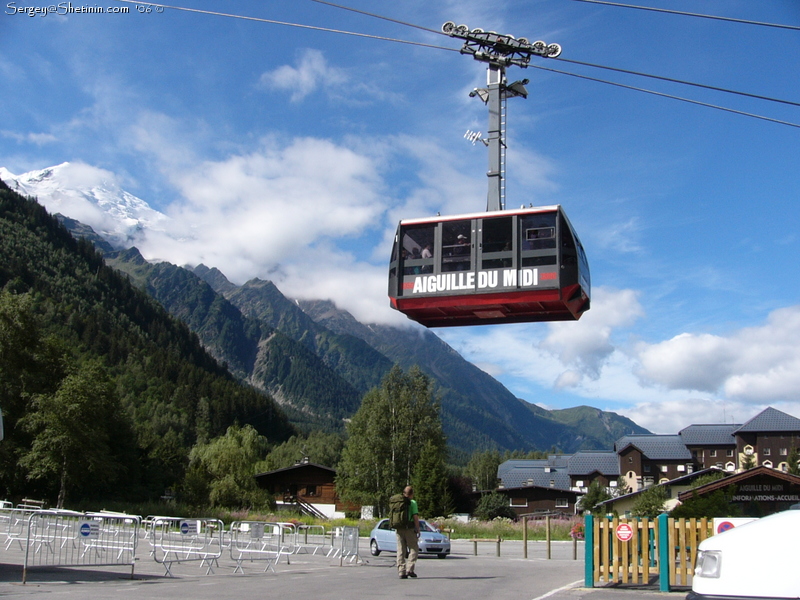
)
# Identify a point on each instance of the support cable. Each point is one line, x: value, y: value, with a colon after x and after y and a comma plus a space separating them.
x: 688, y: 14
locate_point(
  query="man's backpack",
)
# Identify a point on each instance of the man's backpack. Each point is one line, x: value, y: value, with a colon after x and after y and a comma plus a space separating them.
x: 398, y: 512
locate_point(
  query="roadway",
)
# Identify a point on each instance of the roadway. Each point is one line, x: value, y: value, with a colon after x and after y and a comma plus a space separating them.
x: 461, y: 576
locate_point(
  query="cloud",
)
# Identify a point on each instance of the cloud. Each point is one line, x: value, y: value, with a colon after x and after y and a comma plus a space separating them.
x: 586, y: 345
x: 311, y: 72
x: 38, y: 139
x: 755, y: 364
x: 284, y: 211
x: 575, y: 356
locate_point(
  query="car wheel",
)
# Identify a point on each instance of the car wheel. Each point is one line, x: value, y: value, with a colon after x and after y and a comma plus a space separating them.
x: 442, y: 555
x: 373, y: 548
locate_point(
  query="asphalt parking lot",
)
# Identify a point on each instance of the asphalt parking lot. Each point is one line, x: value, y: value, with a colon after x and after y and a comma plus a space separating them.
x: 460, y: 576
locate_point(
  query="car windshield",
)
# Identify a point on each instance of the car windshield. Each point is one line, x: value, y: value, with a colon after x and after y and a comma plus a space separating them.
x: 424, y: 526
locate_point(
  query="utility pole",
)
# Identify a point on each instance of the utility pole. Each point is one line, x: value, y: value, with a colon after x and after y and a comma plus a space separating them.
x: 499, y: 51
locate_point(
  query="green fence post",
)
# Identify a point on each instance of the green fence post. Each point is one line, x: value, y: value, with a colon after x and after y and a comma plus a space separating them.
x: 588, y: 550
x: 663, y: 552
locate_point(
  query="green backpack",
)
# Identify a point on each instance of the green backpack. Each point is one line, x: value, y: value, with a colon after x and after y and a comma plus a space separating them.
x: 398, y: 512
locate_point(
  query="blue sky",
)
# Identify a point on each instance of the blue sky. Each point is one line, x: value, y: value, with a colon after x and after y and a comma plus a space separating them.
x: 290, y: 154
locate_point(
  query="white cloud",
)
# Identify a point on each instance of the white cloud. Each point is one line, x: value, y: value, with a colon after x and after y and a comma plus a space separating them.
x: 755, y: 364
x: 39, y: 139
x: 586, y: 345
x: 311, y: 72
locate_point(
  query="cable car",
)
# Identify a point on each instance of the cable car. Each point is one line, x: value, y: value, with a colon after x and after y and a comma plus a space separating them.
x: 510, y: 266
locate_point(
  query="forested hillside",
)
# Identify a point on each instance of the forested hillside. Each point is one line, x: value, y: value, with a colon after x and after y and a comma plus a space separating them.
x: 74, y: 331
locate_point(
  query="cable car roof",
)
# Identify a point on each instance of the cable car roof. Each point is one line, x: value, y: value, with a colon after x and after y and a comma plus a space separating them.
x: 483, y: 214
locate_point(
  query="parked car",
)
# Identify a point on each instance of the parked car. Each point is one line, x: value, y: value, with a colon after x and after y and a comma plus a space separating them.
x: 755, y: 560
x: 431, y: 540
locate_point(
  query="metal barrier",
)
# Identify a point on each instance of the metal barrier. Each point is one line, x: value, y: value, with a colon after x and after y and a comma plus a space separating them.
x: 308, y: 537
x: 349, y: 548
x: 178, y: 540
x: 258, y: 541
x: 14, y: 522
x: 73, y: 539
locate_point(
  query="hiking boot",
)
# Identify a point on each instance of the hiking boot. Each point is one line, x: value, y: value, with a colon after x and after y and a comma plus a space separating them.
x: 412, y: 574
x: 404, y: 576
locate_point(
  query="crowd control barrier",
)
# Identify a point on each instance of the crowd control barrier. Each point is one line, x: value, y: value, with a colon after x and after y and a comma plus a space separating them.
x: 179, y: 540
x: 73, y: 539
x: 14, y: 523
x: 258, y: 541
x: 310, y: 538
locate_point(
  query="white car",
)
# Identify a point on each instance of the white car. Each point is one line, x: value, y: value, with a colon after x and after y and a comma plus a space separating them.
x: 755, y: 560
x: 431, y: 541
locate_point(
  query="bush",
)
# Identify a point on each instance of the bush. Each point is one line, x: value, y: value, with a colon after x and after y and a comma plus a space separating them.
x: 492, y: 506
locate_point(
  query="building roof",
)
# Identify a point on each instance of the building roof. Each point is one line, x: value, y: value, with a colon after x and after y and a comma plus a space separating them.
x: 656, y: 447
x: 585, y: 463
x: 738, y: 478
x: 537, y: 478
x: 770, y: 419
x: 297, y: 466
x: 709, y: 435
x: 536, y: 472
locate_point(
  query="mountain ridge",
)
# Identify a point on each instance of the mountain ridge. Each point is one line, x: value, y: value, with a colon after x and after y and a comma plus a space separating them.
x: 255, y: 324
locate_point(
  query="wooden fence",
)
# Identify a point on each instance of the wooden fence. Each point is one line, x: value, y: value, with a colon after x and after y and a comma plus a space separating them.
x: 633, y: 551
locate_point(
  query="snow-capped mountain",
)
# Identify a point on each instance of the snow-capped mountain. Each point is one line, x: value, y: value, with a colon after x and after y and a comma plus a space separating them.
x: 91, y: 196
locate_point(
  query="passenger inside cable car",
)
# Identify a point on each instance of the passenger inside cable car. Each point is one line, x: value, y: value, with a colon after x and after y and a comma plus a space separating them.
x: 494, y: 267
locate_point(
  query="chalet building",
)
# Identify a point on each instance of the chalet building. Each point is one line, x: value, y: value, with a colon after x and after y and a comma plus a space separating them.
x: 642, y: 461
x: 711, y: 445
x: 533, y: 499
x: 584, y: 468
x: 551, y: 472
x: 646, y: 460
x: 306, y: 486
x: 767, y: 439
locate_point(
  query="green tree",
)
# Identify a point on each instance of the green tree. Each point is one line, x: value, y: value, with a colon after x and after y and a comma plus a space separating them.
x: 72, y: 437
x: 715, y: 504
x: 748, y: 462
x: 225, y: 469
x: 319, y: 447
x: 596, y: 494
x: 793, y: 461
x: 650, y: 502
x: 387, y: 436
x: 494, y: 505
x: 482, y: 469
x: 431, y: 490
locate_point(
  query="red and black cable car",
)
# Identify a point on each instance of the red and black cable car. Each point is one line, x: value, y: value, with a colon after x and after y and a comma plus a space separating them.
x: 511, y: 266
x: 501, y: 266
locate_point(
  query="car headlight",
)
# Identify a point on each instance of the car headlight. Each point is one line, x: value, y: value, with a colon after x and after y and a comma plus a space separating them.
x: 708, y: 564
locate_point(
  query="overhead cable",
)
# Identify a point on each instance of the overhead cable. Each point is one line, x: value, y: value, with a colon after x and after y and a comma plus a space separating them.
x: 670, y: 96
x: 671, y: 80
x: 400, y: 41
x: 273, y: 22
x: 688, y: 14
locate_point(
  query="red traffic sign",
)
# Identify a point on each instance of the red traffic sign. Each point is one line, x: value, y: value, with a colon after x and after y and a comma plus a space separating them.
x: 724, y: 526
x: 624, y: 532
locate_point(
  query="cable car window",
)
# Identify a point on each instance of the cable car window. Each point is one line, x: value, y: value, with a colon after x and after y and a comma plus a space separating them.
x: 538, y: 240
x: 569, y: 255
x: 497, y: 243
x: 417, y: 249
x: 456, y: 246
x: 393, y: 260
x: 538, y: 232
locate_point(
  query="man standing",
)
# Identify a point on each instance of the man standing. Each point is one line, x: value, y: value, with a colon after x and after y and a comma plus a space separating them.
x: 407, y: 533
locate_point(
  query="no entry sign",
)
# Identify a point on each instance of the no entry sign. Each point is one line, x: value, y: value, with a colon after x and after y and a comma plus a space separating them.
x: 624, y: 532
